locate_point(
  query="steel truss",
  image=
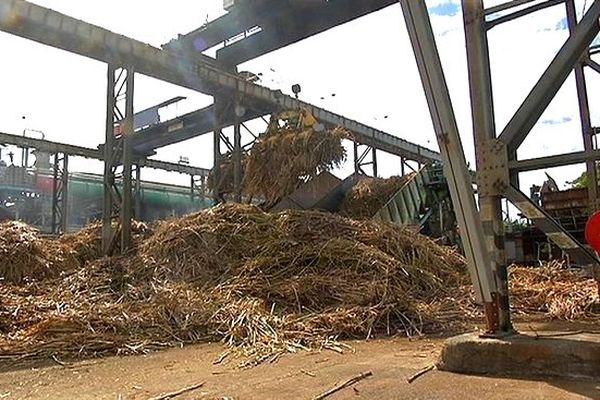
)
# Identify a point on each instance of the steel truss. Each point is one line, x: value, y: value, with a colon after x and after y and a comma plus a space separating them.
x: 118, y: 161
x: 233, y: 145
x: 60, y: 193
x: 365, y: 156
x: 497, y: 164
x: 455, y: 165
x: 497, y: 154
x: 198, y: 186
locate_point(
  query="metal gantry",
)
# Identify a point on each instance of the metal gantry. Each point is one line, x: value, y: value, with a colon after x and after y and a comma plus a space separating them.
x: 200, y: 73
x: 365, y: 156
x: 455, y: 164
x: 60, y: 193
x: 496, y: 155
x: 118, y: 160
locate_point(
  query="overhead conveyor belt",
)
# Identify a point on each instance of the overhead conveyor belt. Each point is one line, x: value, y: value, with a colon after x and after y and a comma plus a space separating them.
x: 258, y: 26
x: 184, y: 127
x: 86, y: 152
x: 54, y: 29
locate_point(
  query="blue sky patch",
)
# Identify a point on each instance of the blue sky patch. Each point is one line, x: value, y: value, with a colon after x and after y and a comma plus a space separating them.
x: 558, y: 121
x: 446, y: 9
x: 561, y: 25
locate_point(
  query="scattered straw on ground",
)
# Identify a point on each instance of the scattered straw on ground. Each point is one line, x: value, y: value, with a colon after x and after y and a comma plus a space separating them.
x: 555, y: 291
x: 370, y: 194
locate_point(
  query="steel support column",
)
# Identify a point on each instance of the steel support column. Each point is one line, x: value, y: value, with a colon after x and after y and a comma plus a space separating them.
x: 137, y: 192
x: 198, y: 186
x: 60, y: 193
x: 217, y: 156
x: 482, y: 112
x: 112, y: 197
x: 119, y: 122
x: 552, y: 79
x: 237, y: 152
x: 127, y: 199
x: 455, y: 165
x: 361, y: 159
x: 227, y: 182
x: 584, y: 112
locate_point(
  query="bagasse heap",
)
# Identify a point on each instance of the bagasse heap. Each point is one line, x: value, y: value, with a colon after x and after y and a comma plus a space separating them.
x: 263, y: 283
x: 370, y: 194
x: 282, y: 159
x: 558, y: 292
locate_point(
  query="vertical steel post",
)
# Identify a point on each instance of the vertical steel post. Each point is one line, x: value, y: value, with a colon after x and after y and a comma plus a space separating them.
x: 60, y: 193
x: 203, y: 190
x: 374, y: 155
x: 65, y: 194
x: 356, y: 161
x: 192, y: 188
x: 455, y: 165
x: 584, y: 113
x: 55, y: 195
x: 484, y: 131
x: 109, y: 149
x: 237, y: 154
x: 137, y: 190
x: 126, y: 200
x: 216, y: 171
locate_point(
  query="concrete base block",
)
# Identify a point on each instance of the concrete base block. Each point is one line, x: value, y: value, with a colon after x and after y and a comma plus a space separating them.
x: 524, y: 354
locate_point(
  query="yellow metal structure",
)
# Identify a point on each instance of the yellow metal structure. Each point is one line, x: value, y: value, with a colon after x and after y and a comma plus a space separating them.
x: 294, y: 119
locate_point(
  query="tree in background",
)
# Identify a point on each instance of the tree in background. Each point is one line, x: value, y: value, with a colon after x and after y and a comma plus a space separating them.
x: 582, y: 180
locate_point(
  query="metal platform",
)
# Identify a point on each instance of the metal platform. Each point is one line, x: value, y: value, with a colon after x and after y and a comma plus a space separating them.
x: 254, y: 28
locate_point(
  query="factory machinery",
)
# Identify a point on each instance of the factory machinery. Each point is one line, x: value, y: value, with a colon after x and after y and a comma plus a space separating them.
x: 527, y: 244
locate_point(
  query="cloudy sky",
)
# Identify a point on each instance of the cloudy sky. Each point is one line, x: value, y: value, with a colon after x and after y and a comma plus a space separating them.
x: 368, y: 64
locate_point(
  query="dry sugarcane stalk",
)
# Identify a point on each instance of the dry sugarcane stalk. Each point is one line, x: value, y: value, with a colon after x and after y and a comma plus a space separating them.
x: 420, y: 373
x: 175, y: 393
x: 370, y: 194
x: 343, y: 385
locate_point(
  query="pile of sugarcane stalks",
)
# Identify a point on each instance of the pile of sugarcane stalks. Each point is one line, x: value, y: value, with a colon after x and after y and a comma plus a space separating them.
x: 281, y: 160
x: 86, y: 244
x: 24, y: 254
x: 264, y: 284
x: 370, y: 194
x: 554, y: 290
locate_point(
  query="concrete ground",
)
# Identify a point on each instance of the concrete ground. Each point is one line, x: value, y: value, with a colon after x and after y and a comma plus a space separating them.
x: 298, y: 376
